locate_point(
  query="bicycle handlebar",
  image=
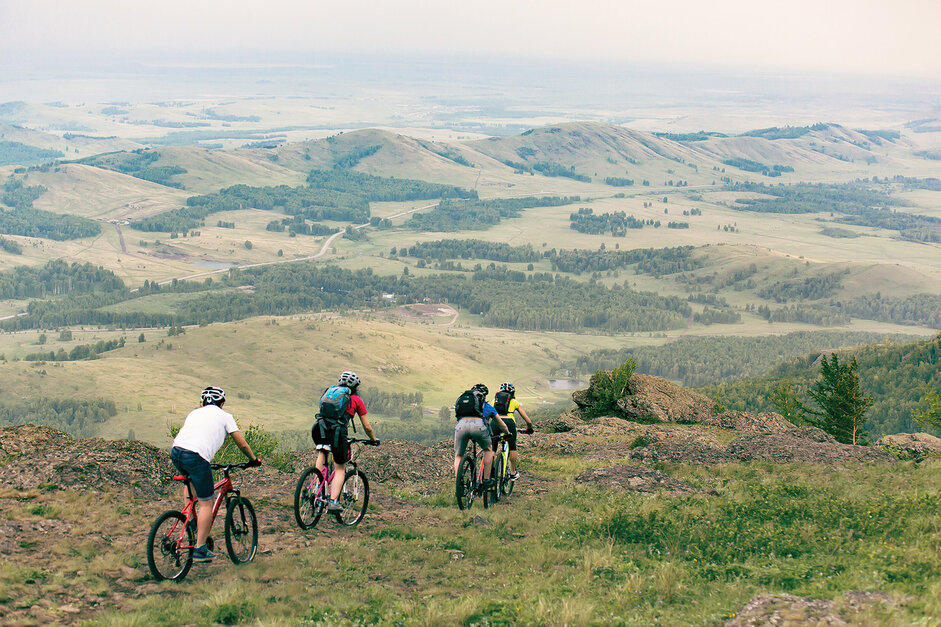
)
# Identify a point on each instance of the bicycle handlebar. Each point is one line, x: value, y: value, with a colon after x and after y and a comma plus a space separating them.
x: 227, y: 467
x: 363, y: 441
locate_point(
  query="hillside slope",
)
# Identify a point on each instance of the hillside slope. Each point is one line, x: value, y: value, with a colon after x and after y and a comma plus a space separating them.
x: 612, y: 521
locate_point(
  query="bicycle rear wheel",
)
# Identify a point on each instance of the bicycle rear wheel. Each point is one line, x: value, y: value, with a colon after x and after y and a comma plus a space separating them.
x: 307, y: 508
x: 354, y: 498
x: 464, y: 482
x: 241, y: 530
x: 167, y: 557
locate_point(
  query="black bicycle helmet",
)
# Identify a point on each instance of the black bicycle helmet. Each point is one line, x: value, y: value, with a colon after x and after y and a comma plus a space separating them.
x: 212, y: 396
x: 483, y: 389
x: 349, y: 379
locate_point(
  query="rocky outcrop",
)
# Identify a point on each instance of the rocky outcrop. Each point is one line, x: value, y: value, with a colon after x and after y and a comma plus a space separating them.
x: 653, y: 399
x: 41, y: 456
x: 634, y: 479
x: 664, y: 401
x: 559, y: 424
x: 915, y: 446
x: 788, y: 609
x: 805, y: 444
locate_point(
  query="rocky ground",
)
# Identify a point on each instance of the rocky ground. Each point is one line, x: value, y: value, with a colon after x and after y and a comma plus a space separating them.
x: 46, y: 476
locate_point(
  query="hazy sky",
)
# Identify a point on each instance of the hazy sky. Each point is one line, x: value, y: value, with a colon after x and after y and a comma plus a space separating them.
x: 866, y: 36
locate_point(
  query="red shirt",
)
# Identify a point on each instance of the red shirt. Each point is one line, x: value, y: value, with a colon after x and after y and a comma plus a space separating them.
x: 356, y: 406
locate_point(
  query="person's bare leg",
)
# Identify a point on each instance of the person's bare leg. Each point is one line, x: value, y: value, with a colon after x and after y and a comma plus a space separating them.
x: 514, y: 459
x: 204, y: 521
x: 339, y: 474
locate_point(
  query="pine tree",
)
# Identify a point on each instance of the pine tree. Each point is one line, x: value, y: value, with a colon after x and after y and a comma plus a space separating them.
x: 842, y: 404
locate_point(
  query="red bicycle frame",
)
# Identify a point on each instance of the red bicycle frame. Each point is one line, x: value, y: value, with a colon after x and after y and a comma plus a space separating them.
x: 222, y: 486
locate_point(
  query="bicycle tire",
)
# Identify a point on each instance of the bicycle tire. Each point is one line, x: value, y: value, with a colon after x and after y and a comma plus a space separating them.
x: 497, y: 473
x: 162, y: 544
x: 241, y: 530
x: 307, y: 509
x: 508, y: 485
x: 464, y: 482
x: 354, y: 498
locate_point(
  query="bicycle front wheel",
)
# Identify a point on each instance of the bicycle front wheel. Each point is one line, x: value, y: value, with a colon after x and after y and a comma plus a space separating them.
x: 464, y: 482
x: 499, y: 474
x: 307, y: 507
x: 508, y: 484
x: 354, y: 498
x: 170, y: 552
x: 241, y: 530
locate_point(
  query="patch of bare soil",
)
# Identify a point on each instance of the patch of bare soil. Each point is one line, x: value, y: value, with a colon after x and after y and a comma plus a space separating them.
x: 40, y: 456
x: 634, y: 479
x: 788, y: 609
x: 748, y: 423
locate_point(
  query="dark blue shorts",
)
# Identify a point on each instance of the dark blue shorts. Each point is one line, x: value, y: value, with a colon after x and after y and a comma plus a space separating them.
x: 198, y: 469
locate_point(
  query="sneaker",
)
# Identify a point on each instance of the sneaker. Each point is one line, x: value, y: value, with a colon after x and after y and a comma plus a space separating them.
x: 334, y: 506
x: 203, y: 554
x: 514, y: 476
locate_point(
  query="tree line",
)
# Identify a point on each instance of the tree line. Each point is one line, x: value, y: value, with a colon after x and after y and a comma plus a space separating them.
x: 76, y: 417
x: 567, y: 305
x: 342, y: 195
x: 617, y: 222
x: 81, y: 351
x: 139, y: 164
x: 653, y: 261
x: 809, y: 288
x: 923, y: 309
x: 458, y: 215
x: 443, y: 249
x: 896, y: 376
x: 702, y: 361
x: 57, y: 278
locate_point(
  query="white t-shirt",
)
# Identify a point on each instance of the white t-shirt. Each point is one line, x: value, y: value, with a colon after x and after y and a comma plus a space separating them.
x: 204, y: 431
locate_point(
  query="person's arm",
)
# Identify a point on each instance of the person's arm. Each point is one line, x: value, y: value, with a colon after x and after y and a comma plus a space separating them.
x: 360, y: 408
x: 243, y: 445
x: 529, y: 423
x: 367, y: 427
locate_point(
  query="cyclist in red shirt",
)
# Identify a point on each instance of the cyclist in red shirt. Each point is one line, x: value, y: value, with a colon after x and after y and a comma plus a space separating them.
x: 331, y: 437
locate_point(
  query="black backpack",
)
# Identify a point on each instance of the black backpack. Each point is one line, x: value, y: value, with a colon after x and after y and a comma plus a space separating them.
x: 470, y: 404
x: 501, y: 402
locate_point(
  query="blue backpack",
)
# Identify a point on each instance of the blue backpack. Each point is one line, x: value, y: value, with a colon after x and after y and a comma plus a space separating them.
x: 333, y: 405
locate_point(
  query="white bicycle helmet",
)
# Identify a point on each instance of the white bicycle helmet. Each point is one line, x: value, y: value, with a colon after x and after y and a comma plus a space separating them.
x: 507, y: 387
x: 349, y: 379
x: 212, y: 395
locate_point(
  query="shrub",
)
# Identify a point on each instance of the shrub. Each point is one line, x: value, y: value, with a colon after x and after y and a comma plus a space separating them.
x: 609, y: 387
x: 263, y: 443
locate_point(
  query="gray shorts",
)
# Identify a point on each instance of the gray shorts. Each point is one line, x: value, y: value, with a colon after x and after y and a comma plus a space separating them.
x: 471, y: 429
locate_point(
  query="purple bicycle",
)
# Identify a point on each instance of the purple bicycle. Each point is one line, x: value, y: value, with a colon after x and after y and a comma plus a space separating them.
x: 313, y: 491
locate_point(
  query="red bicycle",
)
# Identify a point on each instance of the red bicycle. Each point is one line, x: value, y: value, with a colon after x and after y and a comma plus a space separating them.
x: 172, y: 537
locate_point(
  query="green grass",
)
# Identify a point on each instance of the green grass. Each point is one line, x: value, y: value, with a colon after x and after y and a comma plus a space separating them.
x: 585, y: 556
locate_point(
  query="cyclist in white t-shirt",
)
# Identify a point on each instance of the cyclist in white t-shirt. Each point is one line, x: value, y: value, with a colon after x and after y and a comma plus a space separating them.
x: 195, y: 445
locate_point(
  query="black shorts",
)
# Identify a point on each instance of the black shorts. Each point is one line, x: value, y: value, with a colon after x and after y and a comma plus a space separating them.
x: 198, y: 470
x: 511, y: 426
x: 332, y: 438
